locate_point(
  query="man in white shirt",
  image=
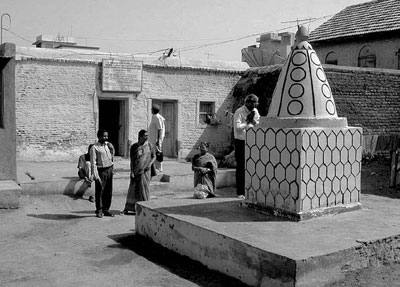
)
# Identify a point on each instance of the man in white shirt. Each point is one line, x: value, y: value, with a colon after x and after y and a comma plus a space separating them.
x: 157, y: 133
x: 245, y: 116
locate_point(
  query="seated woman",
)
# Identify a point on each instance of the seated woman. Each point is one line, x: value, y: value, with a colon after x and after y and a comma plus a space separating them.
x: 205, y: 168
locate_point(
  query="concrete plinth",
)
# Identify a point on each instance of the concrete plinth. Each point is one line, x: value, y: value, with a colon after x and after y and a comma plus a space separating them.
x: 303, y: 172
x: 263, y: 250
x: 9, y: 194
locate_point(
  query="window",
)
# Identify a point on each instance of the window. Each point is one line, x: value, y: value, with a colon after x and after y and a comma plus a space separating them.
x: 206, y: 111
x: 331, y: 59
x: 367, y: 57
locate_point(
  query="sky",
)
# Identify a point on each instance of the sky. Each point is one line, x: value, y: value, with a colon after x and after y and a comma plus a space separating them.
x: 199, y: 29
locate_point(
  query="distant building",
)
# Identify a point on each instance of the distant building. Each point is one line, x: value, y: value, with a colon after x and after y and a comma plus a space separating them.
x: 273, y: 49
x: 362, y: 35
x: 59, y: 42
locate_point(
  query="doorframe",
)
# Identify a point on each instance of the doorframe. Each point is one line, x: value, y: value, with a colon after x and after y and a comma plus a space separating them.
x: 127, y: 123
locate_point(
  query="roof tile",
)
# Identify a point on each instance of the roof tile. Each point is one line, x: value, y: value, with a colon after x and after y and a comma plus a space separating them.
x: 370, y: 17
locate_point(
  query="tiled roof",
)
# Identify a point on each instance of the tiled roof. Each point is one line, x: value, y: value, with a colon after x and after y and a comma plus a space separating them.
x: 365, y: 18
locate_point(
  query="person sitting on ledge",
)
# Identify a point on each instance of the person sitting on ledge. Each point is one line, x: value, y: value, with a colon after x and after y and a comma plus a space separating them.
x: 205, y: 168
x: 84, y: 169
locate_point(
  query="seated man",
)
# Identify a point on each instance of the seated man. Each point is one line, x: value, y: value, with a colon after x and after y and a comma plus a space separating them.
x: 84, y: 169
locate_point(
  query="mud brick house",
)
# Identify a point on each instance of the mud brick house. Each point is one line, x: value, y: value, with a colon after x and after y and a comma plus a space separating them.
x: 63, y: 96
x: 362, y: 35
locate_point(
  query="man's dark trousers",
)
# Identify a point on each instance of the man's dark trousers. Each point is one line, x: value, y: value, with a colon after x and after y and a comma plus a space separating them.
x: 103, y: 189
x: 240, y: 166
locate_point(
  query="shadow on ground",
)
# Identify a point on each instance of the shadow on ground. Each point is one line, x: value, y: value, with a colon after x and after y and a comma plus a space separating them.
x: 375, y: 178
x: 49, y: 216
x: 181, y: 266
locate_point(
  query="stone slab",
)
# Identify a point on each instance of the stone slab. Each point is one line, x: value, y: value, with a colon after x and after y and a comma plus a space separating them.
x: 61, y: 178
x: 262, y: 250
x: 9, y: 194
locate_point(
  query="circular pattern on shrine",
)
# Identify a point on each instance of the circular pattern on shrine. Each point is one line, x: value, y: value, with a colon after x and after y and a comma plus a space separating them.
x: 330, y: 107
x: 298, y: 74
x: 315, y: 59
x: 321, y: 75
x: 326, y: 91
x: 296, y: 91
x: 295, y: 107
x: 299, y: 58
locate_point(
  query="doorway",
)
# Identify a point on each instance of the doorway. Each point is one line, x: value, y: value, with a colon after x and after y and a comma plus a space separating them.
x: 168, y: 109
x: 112, y: 119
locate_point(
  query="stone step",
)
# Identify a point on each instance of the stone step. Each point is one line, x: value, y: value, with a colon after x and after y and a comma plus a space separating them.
x: 76, y: 186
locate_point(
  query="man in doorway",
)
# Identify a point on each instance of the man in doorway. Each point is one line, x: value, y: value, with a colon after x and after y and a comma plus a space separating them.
x: 101, y: 160
x: 157, y: 133
x: 244, y: 117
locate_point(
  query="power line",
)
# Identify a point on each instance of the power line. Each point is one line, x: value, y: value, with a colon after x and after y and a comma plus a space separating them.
x: 148, y: 40
x: 190, y: 48
x: 15, y: 34
x: 187, y: 48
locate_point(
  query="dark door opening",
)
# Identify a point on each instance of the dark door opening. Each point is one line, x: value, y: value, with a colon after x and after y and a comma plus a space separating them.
x: 111, y: 118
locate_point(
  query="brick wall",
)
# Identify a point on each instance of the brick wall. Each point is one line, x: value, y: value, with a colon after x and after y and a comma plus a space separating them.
x: 188, y: 87
x: 57, y: 112
x: 369, y: 98
x: 54, y: 108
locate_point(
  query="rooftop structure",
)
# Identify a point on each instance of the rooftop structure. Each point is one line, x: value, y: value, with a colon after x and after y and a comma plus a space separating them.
x: 379, y: 16
x: 273, y: 49
x: 59, y: 42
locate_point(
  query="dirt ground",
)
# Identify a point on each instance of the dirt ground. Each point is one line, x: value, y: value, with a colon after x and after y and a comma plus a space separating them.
x: 55, y: 240
x: 375, y: 180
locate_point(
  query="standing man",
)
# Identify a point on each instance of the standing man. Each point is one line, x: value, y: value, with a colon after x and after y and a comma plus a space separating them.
x: 157, y: 133
x: 245, y: 116
x: 142, y: 156
x: 101, y: 160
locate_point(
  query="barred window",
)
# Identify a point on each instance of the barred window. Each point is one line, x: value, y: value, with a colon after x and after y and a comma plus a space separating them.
x: 206, y: 111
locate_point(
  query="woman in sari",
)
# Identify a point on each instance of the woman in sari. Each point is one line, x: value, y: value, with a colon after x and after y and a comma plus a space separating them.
x: 142, y: 156
x: 205, y: 169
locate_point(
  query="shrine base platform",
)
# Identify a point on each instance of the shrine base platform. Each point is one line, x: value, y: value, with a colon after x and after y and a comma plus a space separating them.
x: 263, y: 250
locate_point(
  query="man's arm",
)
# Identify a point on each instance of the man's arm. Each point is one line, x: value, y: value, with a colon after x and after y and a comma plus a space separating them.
x: 238, y: 121
x: 159, y: 138
x: 159, y: 126
x: 93, y: 163
x: 256, y: 116
x: 112, y: 150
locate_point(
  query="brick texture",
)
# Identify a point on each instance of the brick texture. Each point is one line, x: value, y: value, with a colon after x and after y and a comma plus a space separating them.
x: 57, y: 113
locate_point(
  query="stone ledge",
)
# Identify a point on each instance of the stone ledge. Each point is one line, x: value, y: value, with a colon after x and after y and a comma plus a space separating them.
x: 9, y: 194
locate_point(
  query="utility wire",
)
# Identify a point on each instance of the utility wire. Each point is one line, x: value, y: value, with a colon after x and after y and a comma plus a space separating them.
x: 15, y: 34
x: 186, y: 48
x: 189, y: 48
